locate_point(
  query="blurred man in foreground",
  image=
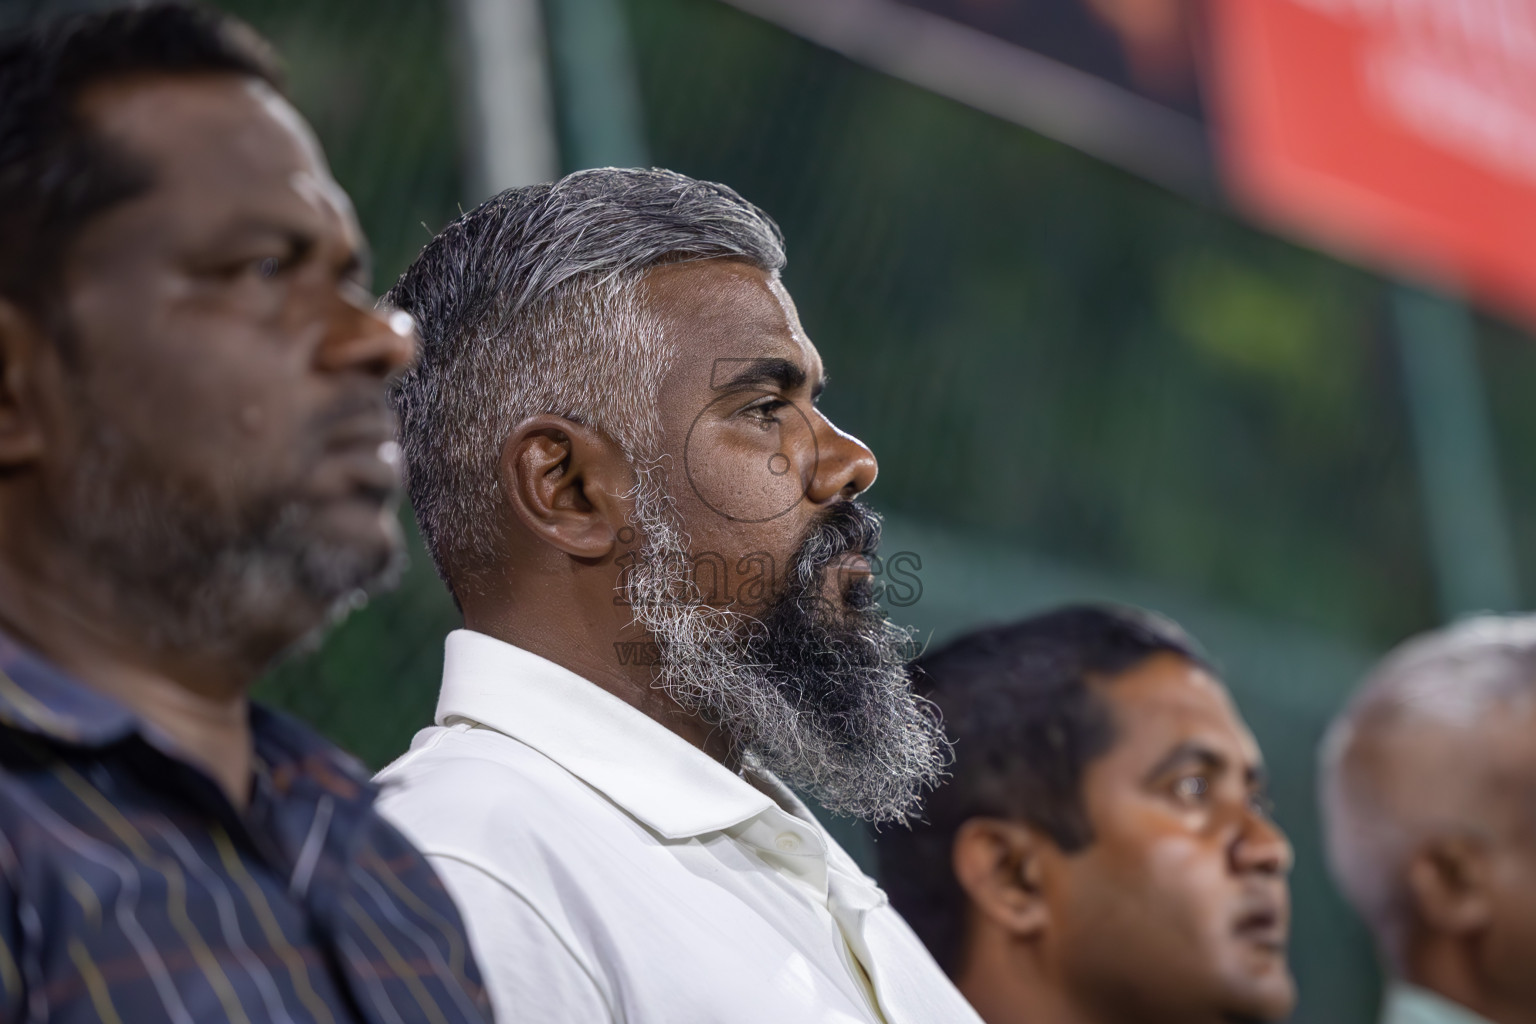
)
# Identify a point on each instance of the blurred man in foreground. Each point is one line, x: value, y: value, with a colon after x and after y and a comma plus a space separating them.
x: 1429, y: 798
x: 198, y: 473
x: 1102, y: 853
x: 616, y: 457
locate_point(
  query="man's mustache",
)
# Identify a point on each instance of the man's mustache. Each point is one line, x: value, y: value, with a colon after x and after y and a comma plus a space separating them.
x: 364, y: 404
x: 849, y: 527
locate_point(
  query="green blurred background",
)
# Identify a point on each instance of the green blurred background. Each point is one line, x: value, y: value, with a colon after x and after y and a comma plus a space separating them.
x: 1078, y: 385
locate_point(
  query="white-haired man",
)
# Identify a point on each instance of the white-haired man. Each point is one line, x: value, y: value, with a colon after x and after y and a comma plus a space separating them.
x: 615, y: 454
x: 1429, y: 796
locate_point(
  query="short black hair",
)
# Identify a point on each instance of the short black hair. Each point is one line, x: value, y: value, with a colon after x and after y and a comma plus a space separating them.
x: 55, y: 174
x: 1025, y: 721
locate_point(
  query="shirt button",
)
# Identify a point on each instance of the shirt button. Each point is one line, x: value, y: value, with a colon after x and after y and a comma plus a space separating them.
x: 788, y: 842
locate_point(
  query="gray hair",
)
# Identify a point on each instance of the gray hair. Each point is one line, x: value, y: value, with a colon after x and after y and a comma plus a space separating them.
x: 531, y: 304
x: 1447, y: 682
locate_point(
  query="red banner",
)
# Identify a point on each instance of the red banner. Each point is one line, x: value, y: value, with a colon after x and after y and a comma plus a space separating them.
x: 1399, y: 132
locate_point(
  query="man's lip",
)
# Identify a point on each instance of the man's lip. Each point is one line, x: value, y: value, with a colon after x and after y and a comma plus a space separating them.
x: 368, y: 474
x: 850, y: 563
x: 371, y: 433
x: 369, y: 457
x: 1264, y: 927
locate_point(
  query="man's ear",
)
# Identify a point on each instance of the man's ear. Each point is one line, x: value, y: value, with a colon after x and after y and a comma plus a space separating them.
x: 1450, y: 883
x: 566, y: 484
x: 1000, y: 866
x: 22, y: 344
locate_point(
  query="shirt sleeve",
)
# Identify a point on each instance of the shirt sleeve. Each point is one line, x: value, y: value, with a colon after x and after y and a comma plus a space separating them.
x: 530, y: 972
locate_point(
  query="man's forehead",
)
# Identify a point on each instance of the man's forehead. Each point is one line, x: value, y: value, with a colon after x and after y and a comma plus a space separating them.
x: 223, y: 139
x: 1498, y: 740
x: 728, y: 309
x: 1168, y: 700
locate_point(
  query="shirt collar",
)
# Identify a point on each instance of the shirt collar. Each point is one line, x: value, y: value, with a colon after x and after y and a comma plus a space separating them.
x: 294, y: 754
x: 656, y: 776
x: 40, y: 698
x: 1409, y: 1004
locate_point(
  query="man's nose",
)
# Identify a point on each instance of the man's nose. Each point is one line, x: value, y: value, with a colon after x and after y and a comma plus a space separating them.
x: 845, y: 467
x: 379, y: 342
x: 1261, y: 847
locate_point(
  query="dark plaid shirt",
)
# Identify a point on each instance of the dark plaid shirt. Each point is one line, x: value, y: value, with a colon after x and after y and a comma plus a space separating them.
x: 133, y: 892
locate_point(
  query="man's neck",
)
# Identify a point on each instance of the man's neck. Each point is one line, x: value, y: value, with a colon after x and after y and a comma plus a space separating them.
x: 1003, y: 994
x: 623, y: 665
x: 199, y: 704
x: 1011, y: 980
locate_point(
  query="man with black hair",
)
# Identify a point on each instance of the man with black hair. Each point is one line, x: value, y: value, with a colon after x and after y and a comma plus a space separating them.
x: 1102, y: 853
x: 197, y: 472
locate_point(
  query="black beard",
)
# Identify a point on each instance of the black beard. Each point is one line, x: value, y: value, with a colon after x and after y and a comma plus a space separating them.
x: 826, y: 658
x: 815, y: 690
x: 245, y: 587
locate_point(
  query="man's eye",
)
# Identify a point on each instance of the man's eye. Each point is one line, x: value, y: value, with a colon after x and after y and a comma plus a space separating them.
x: 1192, y: 787
x: 1263, y: 803
x: 261, y: 268
x: 764, y: 411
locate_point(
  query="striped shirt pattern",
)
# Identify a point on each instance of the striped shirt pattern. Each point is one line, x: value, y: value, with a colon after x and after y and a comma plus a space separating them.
x: 133, y: 892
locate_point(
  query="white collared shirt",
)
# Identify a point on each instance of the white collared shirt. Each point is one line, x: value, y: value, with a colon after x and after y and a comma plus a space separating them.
x: 608, y: 870
x: 1409, y: 1004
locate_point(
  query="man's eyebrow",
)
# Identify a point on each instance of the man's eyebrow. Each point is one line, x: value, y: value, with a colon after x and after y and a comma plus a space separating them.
x: 1189, y: 750
x: 763, y: 374
x: 1254, y: 775
x: 300, y: 242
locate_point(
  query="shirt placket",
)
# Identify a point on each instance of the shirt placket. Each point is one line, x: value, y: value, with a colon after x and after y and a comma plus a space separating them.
x: 797, y: 850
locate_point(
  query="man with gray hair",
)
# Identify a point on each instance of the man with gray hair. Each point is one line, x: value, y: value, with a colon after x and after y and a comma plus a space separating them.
x: 615, y: 454
x: 1429, y: 798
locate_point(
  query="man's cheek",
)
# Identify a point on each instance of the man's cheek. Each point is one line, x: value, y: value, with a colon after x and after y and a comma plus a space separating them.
x: 1210, y: 900
x: 744, y: 552
x: 1187, y: 872
x: 749, y: 472
x: 1183, y: 860
x: 747, y: 491
x: 197, y: 403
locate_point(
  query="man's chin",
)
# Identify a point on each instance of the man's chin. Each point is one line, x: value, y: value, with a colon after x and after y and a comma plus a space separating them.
x: 340, y: 576
x: 1268, y: 995
x: 287, y: 610
x: 361, y: 532
x: 318, y: 564
x: 365, y: 521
